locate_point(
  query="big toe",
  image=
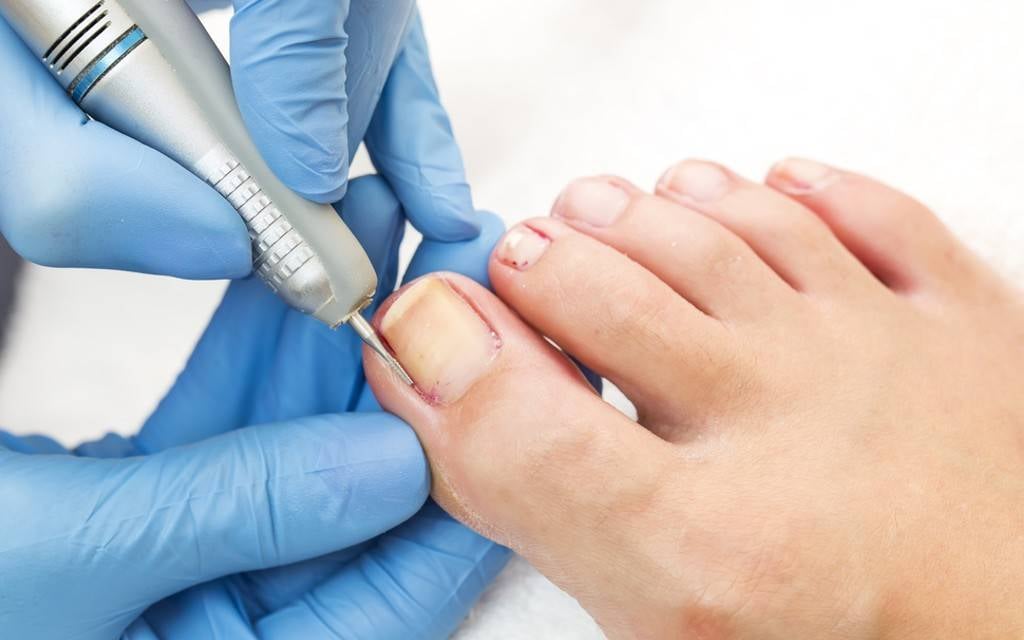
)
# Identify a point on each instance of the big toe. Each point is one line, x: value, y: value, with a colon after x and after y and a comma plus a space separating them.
x: 521, y: 448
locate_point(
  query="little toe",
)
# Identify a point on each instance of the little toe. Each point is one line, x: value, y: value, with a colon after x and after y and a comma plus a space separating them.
x: 784, y: 233
x: 703, y: 261
x: 899, y: 239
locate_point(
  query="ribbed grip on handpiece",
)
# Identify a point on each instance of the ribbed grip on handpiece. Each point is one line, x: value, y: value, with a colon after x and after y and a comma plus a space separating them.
x: 279, y: 252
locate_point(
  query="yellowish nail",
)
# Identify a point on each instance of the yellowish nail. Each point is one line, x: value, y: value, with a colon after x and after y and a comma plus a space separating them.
x: 440, y: 338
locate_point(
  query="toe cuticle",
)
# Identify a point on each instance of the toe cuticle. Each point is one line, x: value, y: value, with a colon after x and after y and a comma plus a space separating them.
x: 799, y: 176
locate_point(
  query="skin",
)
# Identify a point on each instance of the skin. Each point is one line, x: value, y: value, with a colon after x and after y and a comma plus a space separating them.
x: 830, y: 441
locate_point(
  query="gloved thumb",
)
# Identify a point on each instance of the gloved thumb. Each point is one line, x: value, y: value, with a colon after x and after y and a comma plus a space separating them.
x: 147, y: 527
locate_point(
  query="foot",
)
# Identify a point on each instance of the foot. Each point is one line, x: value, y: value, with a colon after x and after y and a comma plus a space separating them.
x: 830, y: 439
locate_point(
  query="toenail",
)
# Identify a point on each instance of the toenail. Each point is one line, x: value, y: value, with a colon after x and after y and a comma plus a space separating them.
x: 522, y: 247
x: 441, y: 339
x: 695, y: 181
x: 798, y: 176
x: 592, y: 200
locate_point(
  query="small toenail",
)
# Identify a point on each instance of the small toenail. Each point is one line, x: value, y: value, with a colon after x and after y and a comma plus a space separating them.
x: 798, y: 176
x: 695, y: 181
x: 592, y: 200
x: 441, y: 339
x: 522, y: 247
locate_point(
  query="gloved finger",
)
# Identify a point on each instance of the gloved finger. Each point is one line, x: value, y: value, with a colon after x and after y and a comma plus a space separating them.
x: 258, y: 361
x: 112, y: 445
x: 74, y: 193
x: 288, y: 70
x: 247, y: 500
x: 30, y: 444
x: 295, y: 66
x: 226, y: 369
x: 213, y: 611
x: 430, y: 540
x: 376, y: 34
x: 269, y: 590
x: 417, y: 581
x: 226, y: 608
x: 468, y: 258
x: 411, y: 143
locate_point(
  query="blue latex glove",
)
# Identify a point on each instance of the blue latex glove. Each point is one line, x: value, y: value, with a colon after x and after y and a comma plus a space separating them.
x: 76, y: 193
x: 89, y: 545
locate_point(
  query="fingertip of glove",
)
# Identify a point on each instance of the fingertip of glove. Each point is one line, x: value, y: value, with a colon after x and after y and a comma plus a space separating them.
x: 313, y: 163
x: 468, y: 257
x: 222, y: 250
x: 445, y: 214
x: 492, y: 227
x: 290, y: 89
x: 487, y: 230
x: 460, y: 228
x: 321, y: 188
x: 237, y: 257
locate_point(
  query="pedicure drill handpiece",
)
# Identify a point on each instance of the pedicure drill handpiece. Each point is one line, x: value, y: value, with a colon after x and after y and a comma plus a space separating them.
x: 149, y: 69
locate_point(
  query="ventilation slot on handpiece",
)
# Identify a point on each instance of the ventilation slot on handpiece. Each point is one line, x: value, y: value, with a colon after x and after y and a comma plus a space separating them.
x: 77, y: 37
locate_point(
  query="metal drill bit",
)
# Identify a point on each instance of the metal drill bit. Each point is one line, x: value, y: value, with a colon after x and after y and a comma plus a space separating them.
x: 369, y: 335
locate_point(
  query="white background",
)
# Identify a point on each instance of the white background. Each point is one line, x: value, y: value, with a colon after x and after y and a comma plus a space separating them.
x: 928, y: 95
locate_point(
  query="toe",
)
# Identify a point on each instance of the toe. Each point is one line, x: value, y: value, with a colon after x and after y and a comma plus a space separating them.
x: 520, y: 447
x: 902, y: 242
x: 703, y: 261
x: 615, y: 316
x: 784, y: 233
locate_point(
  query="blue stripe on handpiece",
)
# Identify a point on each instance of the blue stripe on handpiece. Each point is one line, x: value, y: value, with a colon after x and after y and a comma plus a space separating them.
x: 131, y: 39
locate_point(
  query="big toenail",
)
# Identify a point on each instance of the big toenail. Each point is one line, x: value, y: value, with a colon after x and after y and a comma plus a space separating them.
x: 521, y: 248
x: 798, y: 176
x: 592, y: 200
x: 695, y: 181
x: 441, y: 339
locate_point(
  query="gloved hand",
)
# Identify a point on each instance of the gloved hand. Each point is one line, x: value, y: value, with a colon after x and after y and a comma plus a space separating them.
x: 90, y: 542
x: 76, y: 193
